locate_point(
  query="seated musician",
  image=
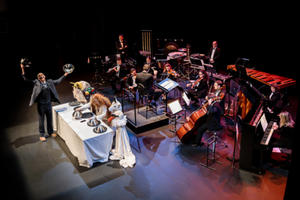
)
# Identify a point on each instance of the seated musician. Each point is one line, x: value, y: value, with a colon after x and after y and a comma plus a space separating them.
x: 118, y: 74
x: 214, y: 112
x: 131, y: 80
x: 199, y: 88
x: 282, y: 136
x: 152, y: 67
x: 172, y: 74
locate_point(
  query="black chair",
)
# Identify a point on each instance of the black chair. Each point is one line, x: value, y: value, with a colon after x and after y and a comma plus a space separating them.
x: 144, y: 99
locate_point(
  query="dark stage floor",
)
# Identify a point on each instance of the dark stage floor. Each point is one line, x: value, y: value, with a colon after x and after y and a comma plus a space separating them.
x: 165, y: 169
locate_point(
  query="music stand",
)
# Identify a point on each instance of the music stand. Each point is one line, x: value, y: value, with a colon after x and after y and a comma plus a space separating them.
x: 175, y: 108
x: 167, y: 85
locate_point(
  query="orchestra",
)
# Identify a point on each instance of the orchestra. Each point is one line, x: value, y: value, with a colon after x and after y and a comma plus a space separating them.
x: 206, y: 88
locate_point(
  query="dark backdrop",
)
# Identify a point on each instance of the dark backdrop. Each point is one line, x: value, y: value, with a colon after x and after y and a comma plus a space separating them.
x: 54, y: 34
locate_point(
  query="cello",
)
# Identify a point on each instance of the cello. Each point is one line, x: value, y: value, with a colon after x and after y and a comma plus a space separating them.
x: 186, y: 132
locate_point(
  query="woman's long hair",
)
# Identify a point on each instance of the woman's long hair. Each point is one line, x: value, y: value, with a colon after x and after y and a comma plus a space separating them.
x: 286, y: 120
x: 98, y: 100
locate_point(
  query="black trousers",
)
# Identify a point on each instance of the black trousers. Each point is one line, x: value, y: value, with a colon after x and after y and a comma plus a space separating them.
x: 200, y: 131
x: 45, y: 110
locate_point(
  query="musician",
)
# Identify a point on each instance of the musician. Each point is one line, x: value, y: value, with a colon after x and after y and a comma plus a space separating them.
x: 172, y: 74
x: 199, y: 88
x: 273, y: 101
x: 152, y: 67
x: 118, y: 75
x: 283, y: 133
x: 214, y: 111
x: 131, y: 80
x: 144, y: 79
x: 214, y: 54
x: 122, y: 47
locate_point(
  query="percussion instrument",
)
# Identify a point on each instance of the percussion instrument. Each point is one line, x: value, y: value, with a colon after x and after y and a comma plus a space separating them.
x: 266, y: 78
x: 68, y: 68
x: 175, y: 55
x: 182, y: 49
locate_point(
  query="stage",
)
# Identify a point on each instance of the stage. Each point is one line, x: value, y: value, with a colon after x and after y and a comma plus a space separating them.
x: 165, y: 168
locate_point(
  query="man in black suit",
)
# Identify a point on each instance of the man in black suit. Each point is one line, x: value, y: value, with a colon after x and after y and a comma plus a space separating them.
x: 122, y: 47
x: 214, y: 55
x: 118, y: 74
x: 43, y: 94
x: 274, y: 101
x: 145, y: 80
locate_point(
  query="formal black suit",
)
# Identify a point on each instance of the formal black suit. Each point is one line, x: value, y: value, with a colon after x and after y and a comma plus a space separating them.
x: 123, y: 51
x: 199, y: 91
x: 117, y: 78
x: 212, y: 122
x: 145, y: 80
x: 274, y: 103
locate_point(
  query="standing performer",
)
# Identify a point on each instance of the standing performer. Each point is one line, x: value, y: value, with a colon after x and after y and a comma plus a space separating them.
x: 43, y: 94
x: 122, y: 150
x: 214, y: 55
x: 122, y: 47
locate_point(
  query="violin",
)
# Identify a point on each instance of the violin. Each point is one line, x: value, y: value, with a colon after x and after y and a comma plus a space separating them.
x: 173, y: 73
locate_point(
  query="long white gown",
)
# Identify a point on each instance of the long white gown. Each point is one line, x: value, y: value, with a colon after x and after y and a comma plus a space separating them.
x: 122, y: 150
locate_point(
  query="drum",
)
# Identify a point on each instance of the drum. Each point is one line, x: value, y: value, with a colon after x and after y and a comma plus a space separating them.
x: 175, y: 55
x: 182, y: 49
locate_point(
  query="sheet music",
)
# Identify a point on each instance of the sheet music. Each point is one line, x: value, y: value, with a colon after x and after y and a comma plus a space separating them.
x: 175, y: 107
x: 264, y: 122
x: 186, y: 99
x: 168, y: 84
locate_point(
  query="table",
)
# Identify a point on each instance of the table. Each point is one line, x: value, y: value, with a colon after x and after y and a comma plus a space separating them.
x: 87, y: 146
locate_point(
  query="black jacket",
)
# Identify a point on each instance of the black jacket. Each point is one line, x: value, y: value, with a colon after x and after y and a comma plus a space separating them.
x: 37, y: 88
x: 216, y: 55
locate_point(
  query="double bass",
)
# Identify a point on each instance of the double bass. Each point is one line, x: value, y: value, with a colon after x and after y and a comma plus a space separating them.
x: 187, y: 131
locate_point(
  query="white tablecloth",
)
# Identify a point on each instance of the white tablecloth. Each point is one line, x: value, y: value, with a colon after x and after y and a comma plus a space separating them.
x: 87, y: 146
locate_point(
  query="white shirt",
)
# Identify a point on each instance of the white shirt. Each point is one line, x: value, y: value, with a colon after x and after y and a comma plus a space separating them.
x: 213, y: 53
x: 271, y: 95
